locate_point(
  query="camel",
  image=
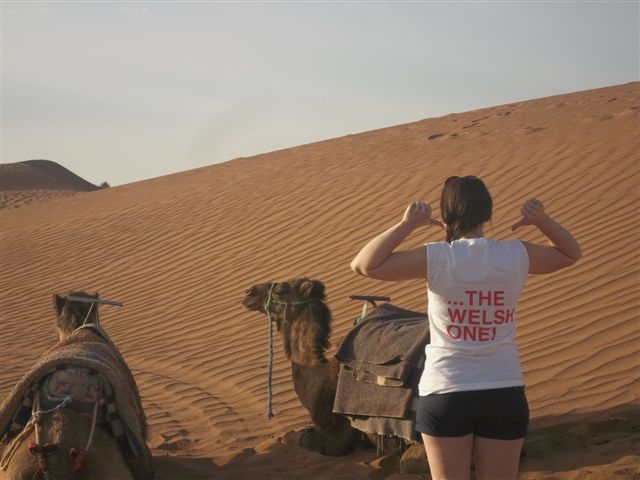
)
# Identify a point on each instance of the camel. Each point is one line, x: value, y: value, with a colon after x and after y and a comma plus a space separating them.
x: 298, y: 310
x: 65, y: 418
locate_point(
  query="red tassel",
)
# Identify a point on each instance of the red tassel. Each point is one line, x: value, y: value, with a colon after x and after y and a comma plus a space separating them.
x: 38, y: 451
x: 77, y: 459
x: 35, y: 449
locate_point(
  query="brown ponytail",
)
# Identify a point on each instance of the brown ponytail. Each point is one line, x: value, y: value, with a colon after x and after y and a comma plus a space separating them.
x: 465, y: 203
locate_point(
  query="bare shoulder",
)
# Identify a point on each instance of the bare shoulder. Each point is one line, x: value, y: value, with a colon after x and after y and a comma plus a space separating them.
x: 546, y: 258
x: 402, y: 265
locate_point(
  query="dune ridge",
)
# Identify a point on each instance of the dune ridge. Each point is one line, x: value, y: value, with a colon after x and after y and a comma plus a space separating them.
x: 180, y: 251
x: 36, y: 181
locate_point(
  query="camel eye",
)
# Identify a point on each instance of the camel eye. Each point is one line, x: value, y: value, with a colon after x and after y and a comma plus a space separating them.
x: 251, y: 291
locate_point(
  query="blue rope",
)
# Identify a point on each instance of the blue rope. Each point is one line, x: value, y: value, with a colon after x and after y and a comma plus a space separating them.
x: 271, y: 300
x: 270, y: 374
x: 270, y: 358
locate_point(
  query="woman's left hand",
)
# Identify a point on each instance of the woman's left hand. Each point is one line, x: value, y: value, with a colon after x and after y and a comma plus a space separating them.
x: 532, y: 213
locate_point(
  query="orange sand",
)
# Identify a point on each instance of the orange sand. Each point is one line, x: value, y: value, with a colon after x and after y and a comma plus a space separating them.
x: 180, y: 251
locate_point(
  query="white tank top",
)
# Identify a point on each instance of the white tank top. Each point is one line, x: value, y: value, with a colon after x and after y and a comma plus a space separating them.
x: 473, y: 288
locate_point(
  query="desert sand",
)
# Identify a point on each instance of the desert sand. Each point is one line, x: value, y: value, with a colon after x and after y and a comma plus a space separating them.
x: 181, y: 250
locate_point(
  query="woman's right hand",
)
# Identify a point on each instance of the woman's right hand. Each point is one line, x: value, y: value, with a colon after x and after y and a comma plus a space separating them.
x: 418, y: 214
x: 532, y: 213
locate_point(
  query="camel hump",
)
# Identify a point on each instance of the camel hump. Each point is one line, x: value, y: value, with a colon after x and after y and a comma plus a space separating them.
x: 387, y: 345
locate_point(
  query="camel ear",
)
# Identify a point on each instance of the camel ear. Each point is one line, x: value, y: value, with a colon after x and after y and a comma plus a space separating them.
x: 58, y: 303
x: 311, y: 289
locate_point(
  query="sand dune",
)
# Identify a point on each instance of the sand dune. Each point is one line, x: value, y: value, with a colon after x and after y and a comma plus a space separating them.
x: 180, y: 251
x: 35, y: 181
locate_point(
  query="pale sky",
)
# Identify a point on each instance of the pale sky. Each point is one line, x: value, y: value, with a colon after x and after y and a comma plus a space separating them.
x: 127, y: 91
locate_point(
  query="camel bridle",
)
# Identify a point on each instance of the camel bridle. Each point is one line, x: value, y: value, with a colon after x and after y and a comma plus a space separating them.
x: 286, y: 303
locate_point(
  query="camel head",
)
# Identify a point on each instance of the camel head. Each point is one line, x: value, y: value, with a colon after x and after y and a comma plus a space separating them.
x: 72, y: 314
x: 297, y: 309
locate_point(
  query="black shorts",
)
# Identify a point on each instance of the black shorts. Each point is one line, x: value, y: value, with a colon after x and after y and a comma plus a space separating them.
x: 500, y: 414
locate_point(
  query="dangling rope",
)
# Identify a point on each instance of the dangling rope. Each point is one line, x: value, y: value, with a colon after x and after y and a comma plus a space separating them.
x: 270, y: 374
x: 270, y: 358
x: 78, y: 456
x: 270, y: 301
x: 15, y: 443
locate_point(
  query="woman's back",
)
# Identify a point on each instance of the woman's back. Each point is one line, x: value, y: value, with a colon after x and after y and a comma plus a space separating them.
x: 473, y: 289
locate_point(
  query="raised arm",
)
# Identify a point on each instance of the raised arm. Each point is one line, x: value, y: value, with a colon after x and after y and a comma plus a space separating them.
x: 562, y: 249
x: 378, y: 258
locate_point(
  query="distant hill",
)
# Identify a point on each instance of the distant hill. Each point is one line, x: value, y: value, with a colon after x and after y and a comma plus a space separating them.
x: 41, y: 175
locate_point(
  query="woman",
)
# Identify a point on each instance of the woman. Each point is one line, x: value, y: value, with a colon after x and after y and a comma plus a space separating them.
x: 472, y: 388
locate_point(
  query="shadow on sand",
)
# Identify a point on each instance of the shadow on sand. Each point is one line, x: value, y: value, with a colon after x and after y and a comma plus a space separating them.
x: 570, y: 442
x: 554, y: 444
